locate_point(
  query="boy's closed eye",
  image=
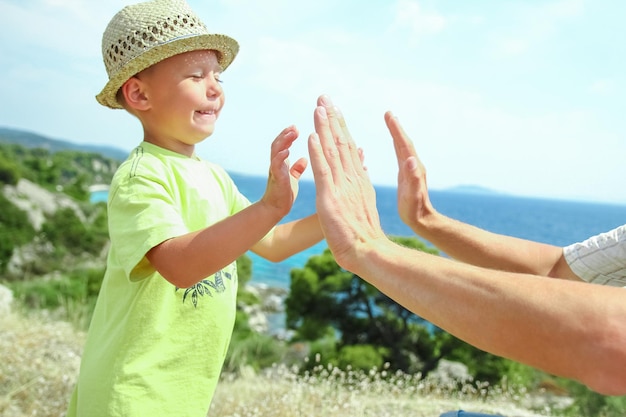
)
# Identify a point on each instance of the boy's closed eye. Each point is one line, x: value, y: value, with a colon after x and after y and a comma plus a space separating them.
x: 202, y: 75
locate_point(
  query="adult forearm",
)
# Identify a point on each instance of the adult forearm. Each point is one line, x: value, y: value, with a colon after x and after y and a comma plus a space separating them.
x: 575, y: 330
x: 479, y: 247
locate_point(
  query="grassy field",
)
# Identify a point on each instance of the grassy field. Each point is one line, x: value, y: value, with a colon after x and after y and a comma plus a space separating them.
x: 41, y: 355
x: 280, y: 392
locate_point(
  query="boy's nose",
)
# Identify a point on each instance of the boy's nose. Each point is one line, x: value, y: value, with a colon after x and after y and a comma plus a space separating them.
x: 213, y: 88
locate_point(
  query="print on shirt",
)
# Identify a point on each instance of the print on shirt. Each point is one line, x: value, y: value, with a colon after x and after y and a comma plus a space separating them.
x: 205, y: 287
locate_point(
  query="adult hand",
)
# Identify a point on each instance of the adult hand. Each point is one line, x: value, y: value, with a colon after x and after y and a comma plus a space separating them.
x: 346, y: 200
x: 282, y: 182
x: 414, y: 206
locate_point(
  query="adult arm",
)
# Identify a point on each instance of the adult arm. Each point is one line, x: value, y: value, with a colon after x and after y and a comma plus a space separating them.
x: 571, y: 329
x: 459, y: 240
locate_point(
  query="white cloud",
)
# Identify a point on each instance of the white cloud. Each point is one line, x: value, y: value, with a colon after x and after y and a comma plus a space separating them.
x: 602, y: 87
x: 68, y: 27
x: 564, y: 9
x: 536, y: 24
x: 420, y: 22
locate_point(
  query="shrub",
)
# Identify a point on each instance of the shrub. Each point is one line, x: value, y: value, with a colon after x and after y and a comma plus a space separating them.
x: 252, y: 349
x: 361, y: 357
x: 9, y: 171
x: 15, y: 230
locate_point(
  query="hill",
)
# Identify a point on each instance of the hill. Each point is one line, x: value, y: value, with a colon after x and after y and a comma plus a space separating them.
x: 34, y: 140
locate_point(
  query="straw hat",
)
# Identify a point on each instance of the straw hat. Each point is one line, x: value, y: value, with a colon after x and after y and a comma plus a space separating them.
x: 143, y: 34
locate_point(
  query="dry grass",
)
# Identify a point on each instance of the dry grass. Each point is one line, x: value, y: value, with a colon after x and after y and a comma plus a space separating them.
x: 40, y: 360
x: 40, y: 357
x: 331, y: 392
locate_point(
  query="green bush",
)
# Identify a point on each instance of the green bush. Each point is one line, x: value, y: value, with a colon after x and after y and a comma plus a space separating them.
x: 9, y: 171
x: 79, y: 286
x: 68, y: 233
x: 361, y: 357
x: 590, y: 403
x: 249, y: 348
x: 244, y: 270
x: 15, y: 230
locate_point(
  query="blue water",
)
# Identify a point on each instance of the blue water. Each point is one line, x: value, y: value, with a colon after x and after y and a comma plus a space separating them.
x: 550, y: 221
x: 99, y: 196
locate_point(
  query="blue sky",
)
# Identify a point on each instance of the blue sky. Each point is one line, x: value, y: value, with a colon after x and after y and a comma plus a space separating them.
x: 521, y: 96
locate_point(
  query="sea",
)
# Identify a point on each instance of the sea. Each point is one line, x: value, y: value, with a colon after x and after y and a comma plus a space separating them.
x: 557, y: 222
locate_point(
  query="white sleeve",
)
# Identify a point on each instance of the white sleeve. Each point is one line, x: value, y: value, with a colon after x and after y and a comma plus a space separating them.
x: 601, y: 259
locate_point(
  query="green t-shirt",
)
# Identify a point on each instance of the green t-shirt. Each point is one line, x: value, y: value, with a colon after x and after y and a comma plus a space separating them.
x: 153, y: 349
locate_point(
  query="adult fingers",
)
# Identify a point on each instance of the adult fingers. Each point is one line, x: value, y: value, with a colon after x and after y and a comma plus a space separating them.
x: 342, y: 141
x: 402, y: 143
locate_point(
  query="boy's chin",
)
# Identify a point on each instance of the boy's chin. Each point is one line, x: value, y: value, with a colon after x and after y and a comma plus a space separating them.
x: 203, y: 132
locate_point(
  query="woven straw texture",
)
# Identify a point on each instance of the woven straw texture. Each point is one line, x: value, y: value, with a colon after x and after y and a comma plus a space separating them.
x: 143, y: 34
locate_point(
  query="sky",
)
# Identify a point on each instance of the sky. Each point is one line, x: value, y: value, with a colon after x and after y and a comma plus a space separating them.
x: 519, y: 96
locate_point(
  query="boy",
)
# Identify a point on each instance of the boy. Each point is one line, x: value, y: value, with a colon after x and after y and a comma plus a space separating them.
x: 165, y: 313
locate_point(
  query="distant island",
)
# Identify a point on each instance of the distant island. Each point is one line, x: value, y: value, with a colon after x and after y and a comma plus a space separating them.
x: 472, y: 189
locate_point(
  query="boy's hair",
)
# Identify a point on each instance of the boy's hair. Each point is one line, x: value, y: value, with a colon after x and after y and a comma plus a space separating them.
x: 143, y: 34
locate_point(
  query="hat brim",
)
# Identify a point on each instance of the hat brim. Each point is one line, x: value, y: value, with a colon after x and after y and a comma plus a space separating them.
x: 226, y: 46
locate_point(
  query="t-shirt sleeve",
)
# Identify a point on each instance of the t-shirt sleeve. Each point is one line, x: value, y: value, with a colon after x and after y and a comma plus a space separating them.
x: 142, y: 214
x: 237, y: 200
x: 601, y: 259
x: 231, y: 193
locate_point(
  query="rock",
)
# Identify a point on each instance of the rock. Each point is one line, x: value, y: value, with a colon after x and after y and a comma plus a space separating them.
x: 29, y: 256
x: 262, y: 318
x: 449, y: 373
x: 272, y: 298
x: 38, y: 202
x: 257, y: 320
x: 6, y: 299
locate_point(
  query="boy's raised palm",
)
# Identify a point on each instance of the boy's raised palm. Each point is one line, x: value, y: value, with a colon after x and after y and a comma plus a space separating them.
x: 282, y: 182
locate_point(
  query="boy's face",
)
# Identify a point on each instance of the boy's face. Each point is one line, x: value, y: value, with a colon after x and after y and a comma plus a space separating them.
x: 183, y: 99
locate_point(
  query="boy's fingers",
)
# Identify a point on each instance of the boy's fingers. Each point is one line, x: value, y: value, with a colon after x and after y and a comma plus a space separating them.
x: 298, y: 168
x: 284, y: 140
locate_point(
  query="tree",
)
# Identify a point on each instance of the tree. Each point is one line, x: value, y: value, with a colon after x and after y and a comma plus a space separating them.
x: 9, y: 171
x: 326, y: 300
x: 15, y: 230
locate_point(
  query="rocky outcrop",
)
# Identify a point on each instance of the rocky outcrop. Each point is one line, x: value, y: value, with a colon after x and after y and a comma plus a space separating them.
x: 450, y: 374
x: 6, y: 299
x: 268, y: 315
x: 38, y: 202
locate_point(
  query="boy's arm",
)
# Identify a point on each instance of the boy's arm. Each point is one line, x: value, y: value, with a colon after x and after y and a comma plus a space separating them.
x: 290, y: 238
x: 187, y: 259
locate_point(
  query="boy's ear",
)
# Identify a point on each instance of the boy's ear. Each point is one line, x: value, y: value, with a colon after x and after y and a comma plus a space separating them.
x: 134, y: 94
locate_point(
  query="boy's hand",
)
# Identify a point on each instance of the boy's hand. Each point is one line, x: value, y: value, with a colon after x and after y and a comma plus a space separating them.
x: 282, y: 182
